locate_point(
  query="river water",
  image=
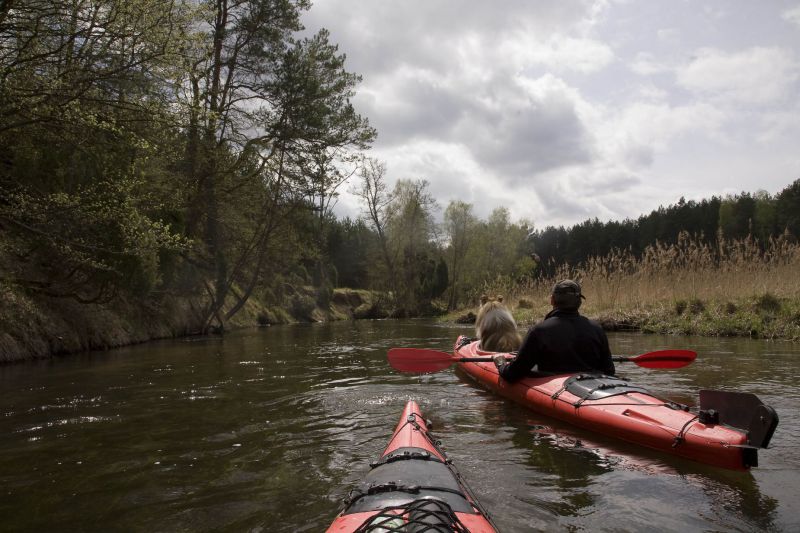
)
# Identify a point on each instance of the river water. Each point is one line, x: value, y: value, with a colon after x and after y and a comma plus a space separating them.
x: 267, y: 430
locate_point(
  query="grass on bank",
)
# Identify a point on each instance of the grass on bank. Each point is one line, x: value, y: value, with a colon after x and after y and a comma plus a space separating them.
x: 736, y: 288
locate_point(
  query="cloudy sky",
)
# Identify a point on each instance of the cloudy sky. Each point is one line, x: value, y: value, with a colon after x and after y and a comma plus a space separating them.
x: 563, y: 110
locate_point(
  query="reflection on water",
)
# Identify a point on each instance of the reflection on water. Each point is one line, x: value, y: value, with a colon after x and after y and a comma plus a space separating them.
x: 267, y: 430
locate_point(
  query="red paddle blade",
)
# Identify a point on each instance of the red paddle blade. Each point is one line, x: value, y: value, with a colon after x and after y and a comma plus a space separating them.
x: 665, y: 359
x: 419, y: 360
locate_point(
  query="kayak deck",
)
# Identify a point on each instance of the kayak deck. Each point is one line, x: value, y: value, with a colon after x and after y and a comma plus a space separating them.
x: 412, y: 484
x: 617, y: 408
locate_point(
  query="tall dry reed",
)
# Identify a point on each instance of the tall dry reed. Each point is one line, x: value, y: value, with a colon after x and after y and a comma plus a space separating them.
x: 687, y: 270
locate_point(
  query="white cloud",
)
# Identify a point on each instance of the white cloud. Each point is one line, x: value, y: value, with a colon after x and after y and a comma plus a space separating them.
x: 559, y: 53
x: 670, y: 35
x: 645, y: 64
x: 649, y: 92
x: 757, y: 75
x: 656, y: 125
x: 792, y: 15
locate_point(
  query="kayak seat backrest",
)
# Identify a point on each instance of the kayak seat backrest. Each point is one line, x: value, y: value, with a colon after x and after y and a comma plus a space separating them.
x: 596, y: 387
x: 400, y: 481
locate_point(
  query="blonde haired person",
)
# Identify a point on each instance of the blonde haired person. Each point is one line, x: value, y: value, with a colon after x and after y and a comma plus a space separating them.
x: 563, y: 342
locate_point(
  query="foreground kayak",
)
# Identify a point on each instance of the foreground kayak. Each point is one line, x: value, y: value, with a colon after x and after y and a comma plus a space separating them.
x: 726, y: 431
x: 412, y: 487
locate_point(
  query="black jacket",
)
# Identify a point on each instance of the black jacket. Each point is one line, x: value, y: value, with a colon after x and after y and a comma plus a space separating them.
x: 563, y: 342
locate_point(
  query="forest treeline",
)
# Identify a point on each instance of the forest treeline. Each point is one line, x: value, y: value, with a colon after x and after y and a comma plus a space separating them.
x: 759, y: 215
x: 480, y: 255
x: 152, y: 150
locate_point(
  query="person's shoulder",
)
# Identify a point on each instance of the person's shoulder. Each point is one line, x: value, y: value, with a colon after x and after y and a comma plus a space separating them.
x: 590, y: 320
x: 594, y: 324
x: 586, y: 320
x: 549, y: 322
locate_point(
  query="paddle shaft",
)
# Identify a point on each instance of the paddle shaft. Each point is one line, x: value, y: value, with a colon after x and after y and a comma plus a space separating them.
x: 427, y: 360
x: 620, y: 359
x: 616, y: 359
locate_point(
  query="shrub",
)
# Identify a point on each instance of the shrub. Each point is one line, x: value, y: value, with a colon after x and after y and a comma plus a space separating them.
x: 680, y: 307
x: 767, y: 303
x: 325, y: 295
x: 301, y: 305
x: 696, y: 306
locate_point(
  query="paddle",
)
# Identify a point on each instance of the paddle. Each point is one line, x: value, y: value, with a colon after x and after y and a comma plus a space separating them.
x: 424, y: 360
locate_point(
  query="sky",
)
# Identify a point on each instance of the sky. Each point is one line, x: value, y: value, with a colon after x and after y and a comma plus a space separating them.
x: 565, y: 110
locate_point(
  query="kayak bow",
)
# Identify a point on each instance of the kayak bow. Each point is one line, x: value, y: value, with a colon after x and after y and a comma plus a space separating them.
x: 412, y: 487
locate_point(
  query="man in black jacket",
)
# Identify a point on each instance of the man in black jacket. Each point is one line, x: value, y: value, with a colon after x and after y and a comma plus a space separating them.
x: 563, y: 342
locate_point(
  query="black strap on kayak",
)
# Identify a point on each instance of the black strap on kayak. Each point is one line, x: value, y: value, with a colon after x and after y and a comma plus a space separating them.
x: 615, y: 386
x: 424, y: 514
x: 405, y: 455
x: 679, y: 438
x: 568, y: 382
x: 608, y: 386
x: 464, y: 341
x: 391, y: 486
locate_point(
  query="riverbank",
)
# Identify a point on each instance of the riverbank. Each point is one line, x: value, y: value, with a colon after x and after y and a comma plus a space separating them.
x: 41, y: 327
x: 33, y: 328
x: 763, y: 317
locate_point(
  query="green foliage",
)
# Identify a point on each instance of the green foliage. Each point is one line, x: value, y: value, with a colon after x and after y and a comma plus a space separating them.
x: 85, y: 134
x: 354, y: 251
x: 736, y: 215
x: 497, y: 250
x: 788, y: 209
x: 149, y: 147
x: 410, y: 244
x: 301, y: 305
x: 442, y: 279
x: 524, y: 268
x: 459, y: 227
x: 324, y: 295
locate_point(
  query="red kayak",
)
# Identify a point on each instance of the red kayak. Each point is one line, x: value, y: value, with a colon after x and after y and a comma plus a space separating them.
x: 412, y: 487
x: 726, y: 431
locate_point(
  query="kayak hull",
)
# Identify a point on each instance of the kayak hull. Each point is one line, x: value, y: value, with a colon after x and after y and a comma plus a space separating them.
x: 633, y: 415
x: 412, y: 482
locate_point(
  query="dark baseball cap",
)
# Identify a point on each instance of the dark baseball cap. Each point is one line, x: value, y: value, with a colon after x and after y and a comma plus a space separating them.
x: 567, y: 286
